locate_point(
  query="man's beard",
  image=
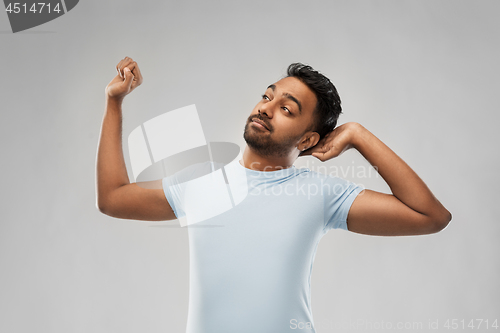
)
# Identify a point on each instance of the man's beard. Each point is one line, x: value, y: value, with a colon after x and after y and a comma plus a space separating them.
x: 262, y: 143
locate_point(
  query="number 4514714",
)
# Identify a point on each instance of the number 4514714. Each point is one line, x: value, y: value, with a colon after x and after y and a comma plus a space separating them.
x: 472, y: 324
x: 17, y: 7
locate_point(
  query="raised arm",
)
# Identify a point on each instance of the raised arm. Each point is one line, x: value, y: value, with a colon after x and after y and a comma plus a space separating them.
x: 115, y: 195
x: 411, y: 209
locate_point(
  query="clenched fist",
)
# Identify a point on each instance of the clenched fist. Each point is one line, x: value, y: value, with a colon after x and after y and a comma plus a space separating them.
x: 128, y: 78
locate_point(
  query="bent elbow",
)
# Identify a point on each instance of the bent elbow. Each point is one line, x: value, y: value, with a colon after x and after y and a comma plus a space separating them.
x: 443, y: 221
x: 102, y: 207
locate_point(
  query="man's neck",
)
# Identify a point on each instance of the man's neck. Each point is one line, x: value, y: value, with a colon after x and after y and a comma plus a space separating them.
x: 252, y: 160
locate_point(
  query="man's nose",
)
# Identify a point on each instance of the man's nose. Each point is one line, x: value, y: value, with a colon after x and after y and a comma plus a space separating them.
x: 266, y: 109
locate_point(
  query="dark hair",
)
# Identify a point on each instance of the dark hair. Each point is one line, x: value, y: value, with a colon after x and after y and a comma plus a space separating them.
x: 328, y: 107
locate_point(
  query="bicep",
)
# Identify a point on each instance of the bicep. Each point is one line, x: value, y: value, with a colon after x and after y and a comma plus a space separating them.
x: 139, y: 201
x: 375, y: 213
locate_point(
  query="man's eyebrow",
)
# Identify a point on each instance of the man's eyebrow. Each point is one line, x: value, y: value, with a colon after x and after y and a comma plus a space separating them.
x: 290, y: 97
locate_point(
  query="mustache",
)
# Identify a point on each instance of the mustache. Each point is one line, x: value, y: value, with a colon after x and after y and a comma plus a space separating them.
x: 261, y: 119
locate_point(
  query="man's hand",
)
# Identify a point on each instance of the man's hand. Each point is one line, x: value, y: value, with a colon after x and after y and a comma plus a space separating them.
x: 129, y: 77
x: 334, y: 143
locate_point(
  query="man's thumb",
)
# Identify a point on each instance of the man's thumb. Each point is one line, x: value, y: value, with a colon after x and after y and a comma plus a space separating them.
x: 128, y: 76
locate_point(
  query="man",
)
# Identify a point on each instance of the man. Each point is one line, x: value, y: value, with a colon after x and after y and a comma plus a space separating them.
x: 253, y: 274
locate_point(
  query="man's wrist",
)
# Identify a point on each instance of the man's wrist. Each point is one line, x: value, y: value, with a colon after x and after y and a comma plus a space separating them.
x: 113, y: 103
x: 358, y: 135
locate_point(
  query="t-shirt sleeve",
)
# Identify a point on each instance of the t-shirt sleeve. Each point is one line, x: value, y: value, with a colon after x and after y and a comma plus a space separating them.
x: 338, y: 194
x: 172, y: 190
x: 174, y: 185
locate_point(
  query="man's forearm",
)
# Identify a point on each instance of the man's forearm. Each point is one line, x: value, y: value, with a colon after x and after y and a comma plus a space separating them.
x: 111, y: 171
x: 405, y: 184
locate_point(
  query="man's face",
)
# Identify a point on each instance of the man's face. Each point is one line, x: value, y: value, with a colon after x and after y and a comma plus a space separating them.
x: 286, y: 109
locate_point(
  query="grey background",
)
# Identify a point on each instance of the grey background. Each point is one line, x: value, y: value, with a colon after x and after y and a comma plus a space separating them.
x: 423, y: 76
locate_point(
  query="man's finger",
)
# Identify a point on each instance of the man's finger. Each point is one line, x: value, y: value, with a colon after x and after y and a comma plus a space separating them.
x: 131, y: 65
x: 316, y: 148
x: 319, y: 156
x: 128, y: 77
x: 137, y: 73
x: 124, y: 63
x: 134, y: 67
x: 119, y: 68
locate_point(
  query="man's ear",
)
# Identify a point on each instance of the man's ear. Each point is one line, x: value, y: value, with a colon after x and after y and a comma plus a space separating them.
x: 314, y: 139
x: 310, y: 140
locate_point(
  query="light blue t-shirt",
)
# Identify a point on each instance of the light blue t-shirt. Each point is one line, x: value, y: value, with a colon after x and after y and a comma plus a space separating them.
x: 250, y: 266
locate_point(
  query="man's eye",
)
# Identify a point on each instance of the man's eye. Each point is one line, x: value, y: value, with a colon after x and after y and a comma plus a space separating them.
x: 286, y: 109
x: 265, y: 97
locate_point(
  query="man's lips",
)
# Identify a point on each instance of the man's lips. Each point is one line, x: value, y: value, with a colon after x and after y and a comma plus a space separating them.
x: 260, y: 122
